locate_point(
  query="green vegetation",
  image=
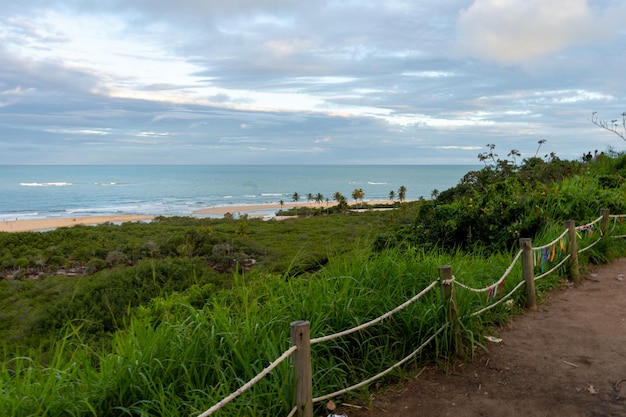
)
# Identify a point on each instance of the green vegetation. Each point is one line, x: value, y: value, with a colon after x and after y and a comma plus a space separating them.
x: 167, y: 318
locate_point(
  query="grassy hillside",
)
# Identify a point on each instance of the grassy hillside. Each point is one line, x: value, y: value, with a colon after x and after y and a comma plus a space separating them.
x: 167, y: 318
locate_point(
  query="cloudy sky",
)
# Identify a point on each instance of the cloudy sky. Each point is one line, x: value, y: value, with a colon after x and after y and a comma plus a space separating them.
x: 307, y: 82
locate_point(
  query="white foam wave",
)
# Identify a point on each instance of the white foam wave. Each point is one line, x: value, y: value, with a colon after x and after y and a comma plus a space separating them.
x: 111, y: 209
x: 20, y: 216
x: 45, y: 184
x: 376, y: 183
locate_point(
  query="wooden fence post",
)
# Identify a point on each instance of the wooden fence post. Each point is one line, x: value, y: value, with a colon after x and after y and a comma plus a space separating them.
x: 301, y: 337
x: 604, y: 223
x: 452, y: 313
x: 528, y: 272
x: 573, y: 251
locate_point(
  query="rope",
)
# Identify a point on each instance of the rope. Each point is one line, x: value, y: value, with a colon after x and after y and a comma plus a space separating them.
x: 293, y: 411
x: 588, y: 225
x: 383, y: 373
x: 553, y: 242
x: 589, y: 246
x: 553, y: 269
x: 250, y: 383
x: 501, y: 300
x: 495, y: 284
x: 614, y: 225
x: 376, y: 320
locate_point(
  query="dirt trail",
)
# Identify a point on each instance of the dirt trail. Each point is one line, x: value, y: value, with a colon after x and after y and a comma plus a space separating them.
x: 566, y: 359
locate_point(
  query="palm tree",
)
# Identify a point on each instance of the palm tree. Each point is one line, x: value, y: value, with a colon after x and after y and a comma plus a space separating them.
x: 434, y: 194
x: 355, y: 195
x: 282, y: 203
x: 358, y: 194
x: 402, y: 193
x: 392, y: 195
x: 340, y: 199
x: 309, y: 197
x: 296, y: 197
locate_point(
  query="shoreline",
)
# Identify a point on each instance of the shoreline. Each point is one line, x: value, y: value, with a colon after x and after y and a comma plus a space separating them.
x: 251, y: 208
x: 57, y: 222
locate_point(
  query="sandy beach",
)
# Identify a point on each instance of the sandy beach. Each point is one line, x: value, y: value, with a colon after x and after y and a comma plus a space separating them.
x: 264, y: 207
x: 49, y: 224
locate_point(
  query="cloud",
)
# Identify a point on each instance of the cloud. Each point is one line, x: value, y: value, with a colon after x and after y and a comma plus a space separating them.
x: 463, y: 148
x: 10, y: 97
x: 511, y: 31
x: 278, y: 81
x: 323, y: 140
x: 467, y: 120
x: 96, y: 132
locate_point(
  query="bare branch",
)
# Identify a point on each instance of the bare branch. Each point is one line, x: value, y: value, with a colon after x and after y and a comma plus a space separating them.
x: 611, y: 126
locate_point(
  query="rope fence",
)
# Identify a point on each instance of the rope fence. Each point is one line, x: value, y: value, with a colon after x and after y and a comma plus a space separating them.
x: 376, y: 320
x: 616, y: 218
x: 562, y: 249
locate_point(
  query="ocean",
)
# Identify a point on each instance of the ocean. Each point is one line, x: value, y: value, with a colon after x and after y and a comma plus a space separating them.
x: 51, y: 191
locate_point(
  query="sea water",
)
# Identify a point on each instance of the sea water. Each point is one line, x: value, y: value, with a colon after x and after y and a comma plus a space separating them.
x: 32, y: 192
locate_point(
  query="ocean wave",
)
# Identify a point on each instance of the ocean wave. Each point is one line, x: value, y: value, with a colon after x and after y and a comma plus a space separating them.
x: 45, y: 184
x: 110, y: 209
x: 20, y: 216
x: 271, y: 194
x: 376, y: 183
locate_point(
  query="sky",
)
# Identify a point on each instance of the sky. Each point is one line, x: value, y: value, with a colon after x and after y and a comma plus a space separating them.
x: 307, y: 82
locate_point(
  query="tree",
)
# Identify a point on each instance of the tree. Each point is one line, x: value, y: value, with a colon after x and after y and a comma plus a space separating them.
x: 392, y: 195
x: 340, y: 199
x: 612, y: 126
x: 358, y: 194
x: 402, y: 193
x: 309, y: 197
x: 296, y: 197
x: 319, y: 198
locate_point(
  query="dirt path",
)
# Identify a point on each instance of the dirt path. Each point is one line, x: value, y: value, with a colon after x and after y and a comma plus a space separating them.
x: 566, y: 359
